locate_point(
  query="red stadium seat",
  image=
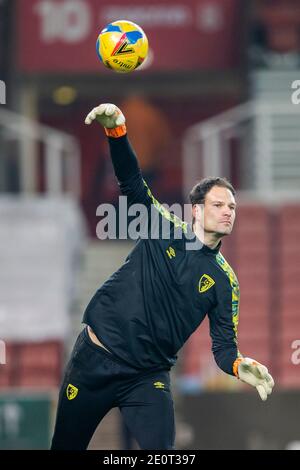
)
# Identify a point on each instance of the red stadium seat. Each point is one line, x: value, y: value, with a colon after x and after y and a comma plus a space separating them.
x: 4, y: 379
x: 252, y: 280
x: 253, y: 215
x: 38, y: 379
x: 253, y: 257
x: 32, y: 364
x: 256, y: 306
x: 254, y: 327
x: 289, y: 215
x: 251, y: 240
x: 289, y: 379
x: 7, y: 369
x: 46, y: 355
x: 290, y: 314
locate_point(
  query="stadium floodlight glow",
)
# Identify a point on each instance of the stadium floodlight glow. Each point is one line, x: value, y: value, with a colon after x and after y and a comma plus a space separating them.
x: 64, y: 95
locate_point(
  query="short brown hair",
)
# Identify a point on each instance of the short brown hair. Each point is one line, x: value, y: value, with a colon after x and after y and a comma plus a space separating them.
x: 199, y: 191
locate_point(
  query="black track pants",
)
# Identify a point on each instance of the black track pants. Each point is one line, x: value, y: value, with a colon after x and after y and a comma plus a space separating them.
x: 95, y: 381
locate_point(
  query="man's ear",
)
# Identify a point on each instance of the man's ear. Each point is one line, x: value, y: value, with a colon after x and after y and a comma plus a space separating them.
x: 194, y: 210
x: 197, y: 211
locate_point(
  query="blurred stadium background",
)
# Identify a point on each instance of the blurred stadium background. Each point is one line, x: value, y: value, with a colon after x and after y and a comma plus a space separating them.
x: 214, y: 99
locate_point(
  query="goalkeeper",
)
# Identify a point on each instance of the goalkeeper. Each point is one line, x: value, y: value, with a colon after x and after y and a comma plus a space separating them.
x: 143, y: 314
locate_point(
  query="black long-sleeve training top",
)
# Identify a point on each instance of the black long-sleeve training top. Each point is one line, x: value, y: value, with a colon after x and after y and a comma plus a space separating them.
x: 145, y: 311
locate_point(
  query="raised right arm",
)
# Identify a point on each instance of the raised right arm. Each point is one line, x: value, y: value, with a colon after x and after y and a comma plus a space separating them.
x: 125, y: 162
x: 123, y: 157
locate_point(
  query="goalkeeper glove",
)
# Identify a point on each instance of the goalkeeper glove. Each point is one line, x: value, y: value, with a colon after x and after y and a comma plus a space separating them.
x: 107, y: 114
x: 255, y: 374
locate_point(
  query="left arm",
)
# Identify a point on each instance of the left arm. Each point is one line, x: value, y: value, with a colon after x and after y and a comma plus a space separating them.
x: 223, y: 329
x: 223, y: 323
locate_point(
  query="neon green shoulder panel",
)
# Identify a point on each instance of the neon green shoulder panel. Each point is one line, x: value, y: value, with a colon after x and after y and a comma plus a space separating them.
x: 234, y: 289
x: 165, y: 213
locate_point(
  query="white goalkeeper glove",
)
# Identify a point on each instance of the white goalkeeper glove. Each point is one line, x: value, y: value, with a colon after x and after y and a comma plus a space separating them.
x: 255, y: 374
x: 107, y: 114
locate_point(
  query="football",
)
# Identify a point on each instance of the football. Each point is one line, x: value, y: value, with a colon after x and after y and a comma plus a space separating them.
x: 122, y: 46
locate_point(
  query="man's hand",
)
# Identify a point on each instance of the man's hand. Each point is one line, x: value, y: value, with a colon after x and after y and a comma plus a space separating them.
x: 107, y: 114
x: 257, y: 375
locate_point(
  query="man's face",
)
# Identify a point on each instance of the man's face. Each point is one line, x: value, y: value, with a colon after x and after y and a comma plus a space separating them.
x: 219, y: 211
